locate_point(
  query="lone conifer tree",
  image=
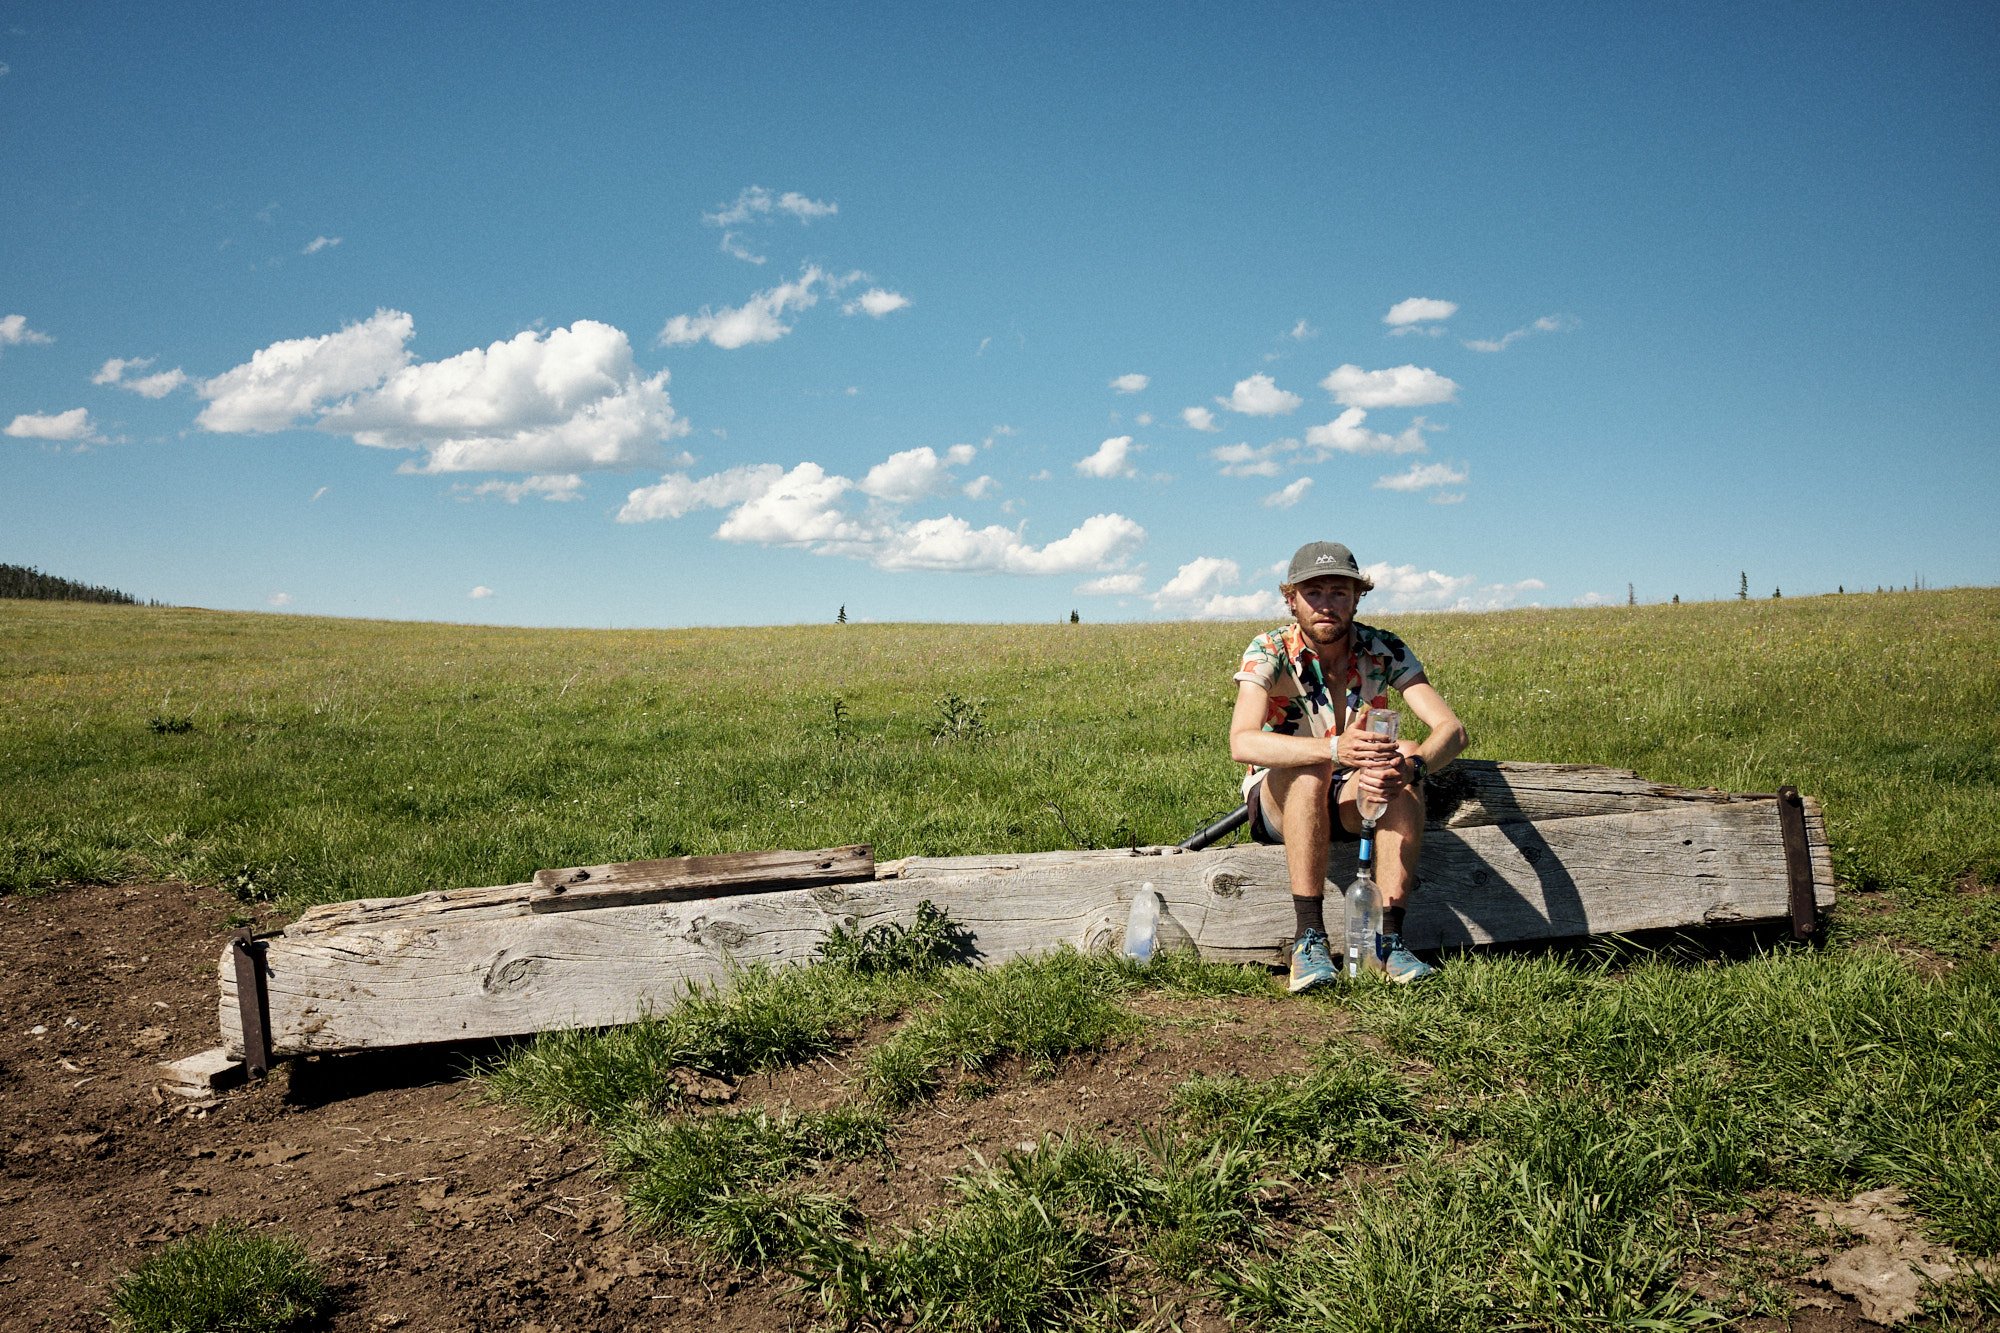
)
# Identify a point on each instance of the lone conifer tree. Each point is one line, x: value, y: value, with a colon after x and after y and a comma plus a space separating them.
x: 1074, y: 619
x: 1743, y: 586
x: 1631, y: 597
x: 841, y: 619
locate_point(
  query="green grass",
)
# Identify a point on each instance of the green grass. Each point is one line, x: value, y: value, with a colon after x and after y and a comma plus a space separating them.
x: 226, y: 1277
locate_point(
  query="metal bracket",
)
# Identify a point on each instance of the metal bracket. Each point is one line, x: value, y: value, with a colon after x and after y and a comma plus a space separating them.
x: 253, y: 1000
x: 1798, y: 862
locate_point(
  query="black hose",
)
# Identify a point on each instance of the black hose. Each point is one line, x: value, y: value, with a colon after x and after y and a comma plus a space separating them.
x: 1219, y: 830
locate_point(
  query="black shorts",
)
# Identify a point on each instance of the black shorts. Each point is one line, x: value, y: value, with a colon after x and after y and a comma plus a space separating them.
x: 1270, y: 837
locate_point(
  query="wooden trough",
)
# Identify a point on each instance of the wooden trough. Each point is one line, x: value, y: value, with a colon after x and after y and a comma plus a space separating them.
x: 1515, y: 852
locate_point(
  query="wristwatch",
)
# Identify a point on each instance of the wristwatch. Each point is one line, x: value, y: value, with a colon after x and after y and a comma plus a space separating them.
x: 1418, y: 768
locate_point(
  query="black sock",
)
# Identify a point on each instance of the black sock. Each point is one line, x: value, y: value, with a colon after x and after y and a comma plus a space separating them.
x: 1392, y: 920
x: 1311, y: 913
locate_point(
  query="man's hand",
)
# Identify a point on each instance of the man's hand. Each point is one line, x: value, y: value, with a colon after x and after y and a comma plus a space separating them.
x: 1361, y: 748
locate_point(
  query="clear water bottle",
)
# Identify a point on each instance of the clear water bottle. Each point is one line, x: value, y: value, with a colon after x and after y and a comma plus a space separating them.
x: 1363, y: 919
x: 1142, y: 927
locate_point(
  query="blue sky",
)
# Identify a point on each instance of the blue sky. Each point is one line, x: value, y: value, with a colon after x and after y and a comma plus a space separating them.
x: 666, y: 315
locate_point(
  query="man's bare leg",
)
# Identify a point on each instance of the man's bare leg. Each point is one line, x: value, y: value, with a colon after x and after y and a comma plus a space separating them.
x: 1399, y: 839
x: 1295, y: 804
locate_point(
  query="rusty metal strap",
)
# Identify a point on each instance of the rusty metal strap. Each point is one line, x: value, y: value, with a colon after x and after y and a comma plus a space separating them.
x: 1798, y: 861
x: 253, y: 1001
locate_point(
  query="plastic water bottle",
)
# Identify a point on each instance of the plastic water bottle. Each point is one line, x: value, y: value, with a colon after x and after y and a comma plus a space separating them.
x: 1142, y: 928
x: 1381, y: 722
x: 1363, y: 921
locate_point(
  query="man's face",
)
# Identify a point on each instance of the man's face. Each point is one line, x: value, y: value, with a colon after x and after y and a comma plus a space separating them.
x: 1324, y: 608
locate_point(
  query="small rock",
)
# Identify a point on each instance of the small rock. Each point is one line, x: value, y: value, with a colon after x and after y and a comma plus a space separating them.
x: 38, y: 1030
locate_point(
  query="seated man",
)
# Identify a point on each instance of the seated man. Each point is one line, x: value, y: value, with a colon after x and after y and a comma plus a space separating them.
x: 1311, y: 757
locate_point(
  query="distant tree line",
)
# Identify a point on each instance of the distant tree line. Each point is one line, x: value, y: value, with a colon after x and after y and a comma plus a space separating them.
x: 23, y: 581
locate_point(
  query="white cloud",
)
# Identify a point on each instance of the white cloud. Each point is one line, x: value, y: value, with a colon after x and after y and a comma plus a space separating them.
x: 755, y: 203
x: 1112, y: 459
x: 319, y: 243
x: 758, y: 320
x: 1410, y: 316
x: 1131, y: 383
x: 278, y: 599
x: 1242, y: 460
x: 1302, y: 330
x: 290, y: 379
x: 1260, y: 396
x: 980, y: 487
x: 480, y: 593
x: 677, y: 494
x: 1199, y: 418
x: 318, y: 493
x: 1399, y: 386
x: 14, y: 332
x: 1241, y: 606
x: 1143, y: 419
x: 734, y: 247
x: 1346, y: 434
x: 1198, y: 579
x: 1546, y: 324
x: 1410, y: 588
x: 159, y: 385
x: 1447, y: 498
x: 1113, y: 585
x: 912, y: 474
x: 1421, y: 477
x: 564, y: 486
x: 1593, y: 599
x: 1290, y: 495
x: 567, y: 400
x: 73, y: 425
x: 801, y: 507
x: 876, y: 302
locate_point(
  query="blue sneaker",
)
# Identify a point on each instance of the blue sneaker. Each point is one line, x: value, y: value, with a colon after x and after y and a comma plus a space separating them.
x: 1398, y: 963
x: 1312, y: 965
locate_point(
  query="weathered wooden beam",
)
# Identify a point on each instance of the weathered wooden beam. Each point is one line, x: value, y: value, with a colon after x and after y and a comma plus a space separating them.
x: 628, y: 883
x: 469, y: 963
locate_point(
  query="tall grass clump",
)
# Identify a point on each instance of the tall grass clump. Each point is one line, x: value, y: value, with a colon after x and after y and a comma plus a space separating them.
x: 226, y: 1277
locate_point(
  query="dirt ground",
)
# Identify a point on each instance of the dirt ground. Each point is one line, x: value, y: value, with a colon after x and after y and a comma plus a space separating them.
x: 431, y: 1207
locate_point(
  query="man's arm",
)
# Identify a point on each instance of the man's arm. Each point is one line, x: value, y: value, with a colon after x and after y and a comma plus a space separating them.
x: 1249, y: 743
x: 1448, y: 738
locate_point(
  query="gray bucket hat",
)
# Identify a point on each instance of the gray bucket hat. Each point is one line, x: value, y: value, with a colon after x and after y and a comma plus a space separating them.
x: 1320, y: 559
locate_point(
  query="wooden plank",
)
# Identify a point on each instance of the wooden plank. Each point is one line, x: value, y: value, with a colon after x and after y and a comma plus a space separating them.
x: 487, y: 966
x: 628, y: 883
x: 1473, y: 792
x: 206, y: 1072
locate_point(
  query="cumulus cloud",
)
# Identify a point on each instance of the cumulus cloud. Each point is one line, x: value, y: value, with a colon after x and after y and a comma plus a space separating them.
x: 1200, y: 589
x: 1243, y: 460
x: 1546, y: 324
x: 1421, y: 477
x: 1302, y: 330
x: 979, y: 488
x: 1419, y: 314
x: 1260, y: 396
x: 114, y: 371
x: 755, y: 204
x: 1412, y: 588
x: 913, y: 474
x: 1347, y: 434
x: 1289, y: 495
x: 319, y: 243
x: 734, y: 247
x: 278, y: 599
x: 567, y: 400
x: 1113, y: 585
x: 1199, y: 418
x: 14, y: 332
x: 73, y: 426
x: 758, y: 320
x: 1112, y: 459
x: 1398, y: 386
x: 768, y: 505
x: 1131, y: 383
x: 290, y: 379
x: 566, y: 486
x: 876, y: 302
x: 480, y: 593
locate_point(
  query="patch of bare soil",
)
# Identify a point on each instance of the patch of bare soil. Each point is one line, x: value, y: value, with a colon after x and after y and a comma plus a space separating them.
x: 431, y: 1207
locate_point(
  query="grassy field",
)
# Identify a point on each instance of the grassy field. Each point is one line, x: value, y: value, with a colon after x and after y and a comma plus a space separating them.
x: 302, y: 760
x: 1523, y: 1143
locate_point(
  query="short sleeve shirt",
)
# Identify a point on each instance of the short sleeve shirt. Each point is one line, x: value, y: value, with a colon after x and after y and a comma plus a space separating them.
x: 1301, y: 703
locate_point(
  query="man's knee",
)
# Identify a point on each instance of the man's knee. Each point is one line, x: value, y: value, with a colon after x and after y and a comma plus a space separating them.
x: 1287, y: 784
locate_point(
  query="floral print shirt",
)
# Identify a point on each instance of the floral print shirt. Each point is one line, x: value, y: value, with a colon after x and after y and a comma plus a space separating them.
x: 1301, y: 702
